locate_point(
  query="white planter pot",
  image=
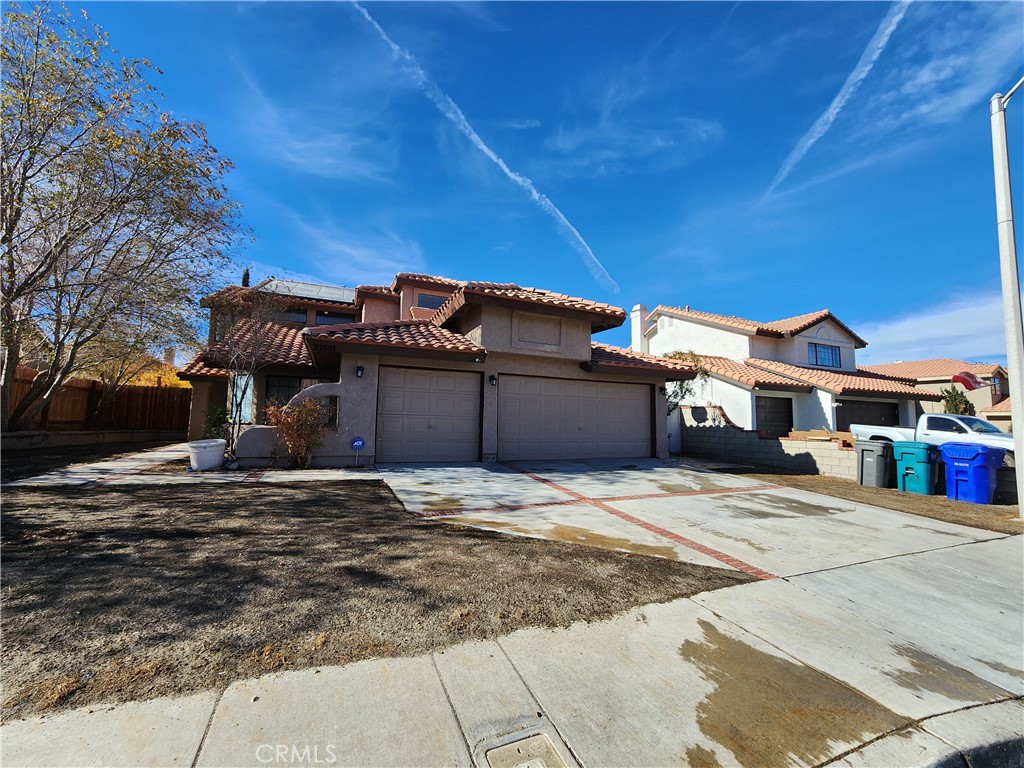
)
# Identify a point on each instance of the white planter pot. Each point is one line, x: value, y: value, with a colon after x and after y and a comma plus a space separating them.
x: 206, y: 454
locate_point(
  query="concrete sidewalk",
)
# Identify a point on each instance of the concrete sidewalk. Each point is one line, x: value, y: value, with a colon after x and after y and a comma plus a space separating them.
x: 127, y: 471
x: 862, y: 665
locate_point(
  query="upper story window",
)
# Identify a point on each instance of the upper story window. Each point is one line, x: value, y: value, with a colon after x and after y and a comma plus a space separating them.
x: 430, y: 300
x: 824, y: 355
x: 323, y: 317
x: 294, y: 315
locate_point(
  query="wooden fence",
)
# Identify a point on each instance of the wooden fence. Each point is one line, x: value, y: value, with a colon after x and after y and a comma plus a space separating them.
x: 76, y: 402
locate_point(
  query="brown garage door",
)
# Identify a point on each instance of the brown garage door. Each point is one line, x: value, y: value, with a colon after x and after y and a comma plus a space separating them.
x: 866, y: 412
x: 541, y: 418
x: 428, y: 415
x: 774, y: 415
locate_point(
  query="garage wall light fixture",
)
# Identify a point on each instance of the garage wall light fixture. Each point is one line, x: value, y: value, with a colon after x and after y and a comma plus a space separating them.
x: 663, y: 389
x: 493, y: 380
x: 359, y: 371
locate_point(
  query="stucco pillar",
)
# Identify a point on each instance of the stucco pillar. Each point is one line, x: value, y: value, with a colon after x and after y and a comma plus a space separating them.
x: 637, y: 326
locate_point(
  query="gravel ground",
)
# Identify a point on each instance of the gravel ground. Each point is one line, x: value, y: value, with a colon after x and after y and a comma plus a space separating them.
x: 114, y: 594
x: 1002, y: 518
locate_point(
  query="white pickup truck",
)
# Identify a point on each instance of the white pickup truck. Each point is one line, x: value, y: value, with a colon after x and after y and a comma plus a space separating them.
x: 939, y: 428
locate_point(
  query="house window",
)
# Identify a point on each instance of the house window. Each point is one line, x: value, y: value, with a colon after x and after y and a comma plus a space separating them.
x: 323, y: 317
x: 281, y: 389
x: 241, y: 399
x: 293, y: 315
x: 823, y: 354
x: 430, y: 301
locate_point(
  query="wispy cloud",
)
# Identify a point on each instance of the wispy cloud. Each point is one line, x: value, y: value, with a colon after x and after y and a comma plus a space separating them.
x: 451, y: 111
x: 350, y: 257
x: 622, y: 120
x: 308, y: 140
x: 867, y: 60
x: 519, y: 125
x: 967, y: 327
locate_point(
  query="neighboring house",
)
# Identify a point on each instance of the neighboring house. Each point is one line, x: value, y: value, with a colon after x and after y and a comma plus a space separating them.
x: 796, y: 373
x: 999, y: 414
x: 937, y: 374
x: 432, y: 369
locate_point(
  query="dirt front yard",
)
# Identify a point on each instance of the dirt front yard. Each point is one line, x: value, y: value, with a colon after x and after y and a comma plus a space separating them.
x: 121, y: 593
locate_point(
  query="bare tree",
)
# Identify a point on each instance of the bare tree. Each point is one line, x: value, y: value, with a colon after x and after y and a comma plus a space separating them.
x: 247, y: 322
x: 677, y: 391
x: 111, y: 208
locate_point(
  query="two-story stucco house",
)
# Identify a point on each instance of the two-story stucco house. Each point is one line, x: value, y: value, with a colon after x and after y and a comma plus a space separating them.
x: 796, y: 373
x: 432, y: 369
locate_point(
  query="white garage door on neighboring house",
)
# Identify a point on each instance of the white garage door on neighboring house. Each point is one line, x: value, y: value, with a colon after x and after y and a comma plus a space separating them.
x: 541, y: 418
x: 425, y: 415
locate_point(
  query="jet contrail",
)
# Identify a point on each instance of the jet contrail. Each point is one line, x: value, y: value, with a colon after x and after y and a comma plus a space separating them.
x: 824, y: 122
x: 450, y: 110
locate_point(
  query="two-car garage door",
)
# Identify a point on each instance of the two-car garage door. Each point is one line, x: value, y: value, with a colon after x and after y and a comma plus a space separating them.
x: 542, y: 418
x: 430, y: 415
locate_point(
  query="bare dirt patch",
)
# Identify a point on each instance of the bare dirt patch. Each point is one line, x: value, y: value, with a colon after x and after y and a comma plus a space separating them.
x: 990, y: 517
x: 121, y: 593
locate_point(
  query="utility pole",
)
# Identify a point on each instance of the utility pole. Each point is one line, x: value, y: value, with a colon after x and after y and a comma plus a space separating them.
x: 1014, y: 328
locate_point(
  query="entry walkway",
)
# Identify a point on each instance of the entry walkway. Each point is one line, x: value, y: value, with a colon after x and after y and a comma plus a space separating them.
x: 131, y: 470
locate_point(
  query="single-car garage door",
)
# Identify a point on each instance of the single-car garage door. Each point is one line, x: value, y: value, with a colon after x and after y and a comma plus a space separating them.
x: 541, y: 418
x: 425, y: 415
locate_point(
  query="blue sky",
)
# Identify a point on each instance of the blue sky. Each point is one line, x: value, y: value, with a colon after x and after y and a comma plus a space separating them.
x: 753, y: 159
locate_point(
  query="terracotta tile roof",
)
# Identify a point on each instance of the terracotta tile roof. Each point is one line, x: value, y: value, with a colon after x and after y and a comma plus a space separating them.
x: 844, y: 383
x: 751, y: 376
x: 414, y: 277
x: 787, y: 326
x: 197, y: 369
x: 604, y: 356
x: 934, y: 368
x: 402, y: 334
x: 421, y: 313
x: 1003, y: 406
x: 275, y: 343
x: 604, y: 315
x: 377, y: 291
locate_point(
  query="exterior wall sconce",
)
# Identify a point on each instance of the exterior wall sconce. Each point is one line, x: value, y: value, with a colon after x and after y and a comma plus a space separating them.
x: 663, y: 389
x: 359, y: 371
x: 493, y: 380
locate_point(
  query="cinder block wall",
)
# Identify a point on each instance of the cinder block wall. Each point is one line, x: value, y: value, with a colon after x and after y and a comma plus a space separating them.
x: 708, y: 433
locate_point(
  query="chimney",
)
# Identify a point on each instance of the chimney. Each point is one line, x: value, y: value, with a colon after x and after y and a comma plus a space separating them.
x: 638, y: 324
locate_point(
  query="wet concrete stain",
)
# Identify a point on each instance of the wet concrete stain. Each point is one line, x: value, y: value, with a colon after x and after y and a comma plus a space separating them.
x: 770, y: 712
x: 574, y: 535
x: 441, y: 503
x: 701, y: 757
x: 768, y: 505
x: 756, y: 546
x: 935, y: 675
x: 955, y: 534
x: 1006, y: 670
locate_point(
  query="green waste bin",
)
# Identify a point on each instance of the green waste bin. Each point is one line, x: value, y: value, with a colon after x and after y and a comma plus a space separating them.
x: 916, y: 467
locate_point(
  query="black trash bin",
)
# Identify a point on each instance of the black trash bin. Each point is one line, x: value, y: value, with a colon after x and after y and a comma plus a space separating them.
x: 874, y: 463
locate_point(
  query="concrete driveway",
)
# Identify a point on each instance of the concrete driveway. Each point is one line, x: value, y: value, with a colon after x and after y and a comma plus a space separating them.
x: 921, y: 617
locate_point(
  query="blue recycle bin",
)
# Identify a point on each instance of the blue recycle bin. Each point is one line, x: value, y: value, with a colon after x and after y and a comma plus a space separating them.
x: 971, y: 471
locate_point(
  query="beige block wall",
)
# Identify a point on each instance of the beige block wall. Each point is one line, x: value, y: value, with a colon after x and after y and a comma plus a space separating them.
x: 705, y: 435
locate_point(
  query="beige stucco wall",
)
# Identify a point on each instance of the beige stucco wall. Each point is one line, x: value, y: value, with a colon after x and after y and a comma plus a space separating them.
x: 358, y: 410
x: 982, y: 398
x: 379, y: 310
x: 206, y: 395
x: 501, y: 330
